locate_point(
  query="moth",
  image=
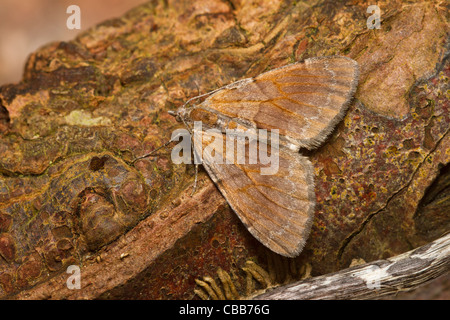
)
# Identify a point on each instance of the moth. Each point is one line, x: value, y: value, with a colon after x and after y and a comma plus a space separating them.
x: 303, y: 102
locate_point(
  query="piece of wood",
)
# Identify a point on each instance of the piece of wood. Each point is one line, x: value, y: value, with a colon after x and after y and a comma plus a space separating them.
x: 373, y: 280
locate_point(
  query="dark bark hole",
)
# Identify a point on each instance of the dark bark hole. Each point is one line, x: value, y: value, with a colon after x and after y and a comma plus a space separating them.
x: 4, y: 114
x: 432, y: 218
x: 97, y: 163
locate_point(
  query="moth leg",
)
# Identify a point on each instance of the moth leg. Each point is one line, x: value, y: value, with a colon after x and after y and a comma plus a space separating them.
x: 195, y: 180
x: 153, y: 151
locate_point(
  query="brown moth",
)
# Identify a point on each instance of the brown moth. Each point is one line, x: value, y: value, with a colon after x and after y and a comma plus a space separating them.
x: 303, y: 101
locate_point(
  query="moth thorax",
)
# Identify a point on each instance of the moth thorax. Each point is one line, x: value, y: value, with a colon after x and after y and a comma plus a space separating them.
x: 206, y: 117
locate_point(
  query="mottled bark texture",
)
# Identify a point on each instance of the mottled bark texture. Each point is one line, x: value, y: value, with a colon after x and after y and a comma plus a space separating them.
x: 70, y: 195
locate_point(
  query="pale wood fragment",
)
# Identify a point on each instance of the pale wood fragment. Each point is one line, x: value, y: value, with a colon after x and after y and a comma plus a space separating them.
x: 373, y: 280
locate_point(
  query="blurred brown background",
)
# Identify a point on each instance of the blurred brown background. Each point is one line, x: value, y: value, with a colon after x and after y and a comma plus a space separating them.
x: 29, y: 24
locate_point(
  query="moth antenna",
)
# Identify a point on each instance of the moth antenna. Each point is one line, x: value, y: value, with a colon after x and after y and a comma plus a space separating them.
x: 228, y: 86
x: 201, y: 96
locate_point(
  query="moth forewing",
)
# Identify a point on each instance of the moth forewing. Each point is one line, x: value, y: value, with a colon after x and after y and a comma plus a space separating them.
x: 277, y: 209
x: 304, y: 100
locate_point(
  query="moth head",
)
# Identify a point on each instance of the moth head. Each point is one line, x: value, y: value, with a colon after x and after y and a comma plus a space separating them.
x: 179, y: 114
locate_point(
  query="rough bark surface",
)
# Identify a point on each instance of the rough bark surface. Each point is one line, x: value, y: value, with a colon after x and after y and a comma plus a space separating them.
x: 70, y: 195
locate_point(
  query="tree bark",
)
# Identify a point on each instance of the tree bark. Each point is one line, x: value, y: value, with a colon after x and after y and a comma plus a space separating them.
x: 70, y: 193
